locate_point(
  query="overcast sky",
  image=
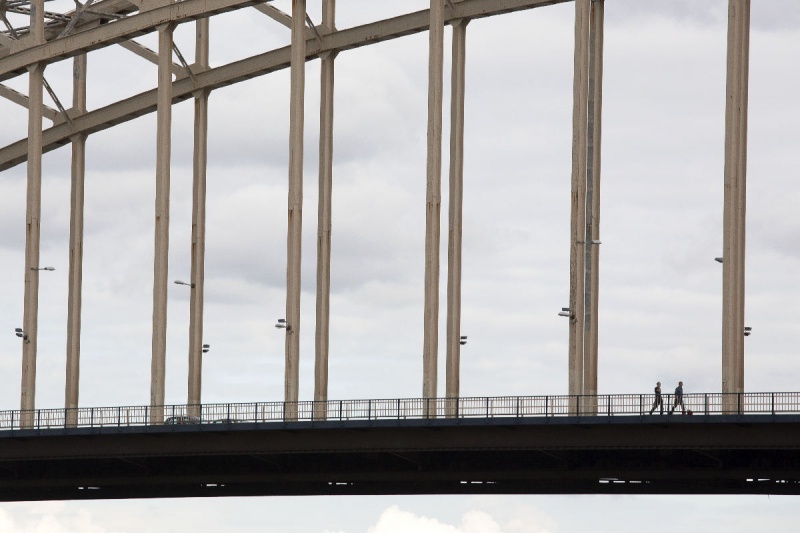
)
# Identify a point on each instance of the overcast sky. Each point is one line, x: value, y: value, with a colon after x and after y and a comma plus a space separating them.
x: 661, y: 227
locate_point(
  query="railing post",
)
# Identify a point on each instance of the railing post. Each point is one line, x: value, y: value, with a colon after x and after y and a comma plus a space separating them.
x: 340, y: 410
x: 546, y: 405
x: 398, y: 408
x: 772, y: 402
x: 369, y: 409
x: 706, y: 402
x: 119, y: 416
x: 91, y: 417
x: 608, y: 401
x: 39, y: 419
x: 487, y: 407
x: 641, y: 405
x: 739, y: 401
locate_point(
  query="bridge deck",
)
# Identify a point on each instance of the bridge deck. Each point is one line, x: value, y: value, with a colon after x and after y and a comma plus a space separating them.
x: 736, y: 454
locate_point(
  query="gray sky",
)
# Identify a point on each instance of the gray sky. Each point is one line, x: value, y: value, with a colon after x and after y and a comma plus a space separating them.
x: 661, y: 227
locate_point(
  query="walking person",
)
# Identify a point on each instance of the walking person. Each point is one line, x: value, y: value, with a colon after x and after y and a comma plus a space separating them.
x: 658, y: 402
x: 678, y: 398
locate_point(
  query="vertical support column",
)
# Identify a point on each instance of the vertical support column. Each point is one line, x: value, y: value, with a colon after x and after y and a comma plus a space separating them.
x: 161, y: 255
x: 457, y: 84
x: 433, y: 202
x: 30, y: 313
x: 733, y: 266
x: 593, y: 203
x: 578, y: 202
x: 295, y: 222
x: 75, y: 246
x: 199, y: 163
x: 324, y: 217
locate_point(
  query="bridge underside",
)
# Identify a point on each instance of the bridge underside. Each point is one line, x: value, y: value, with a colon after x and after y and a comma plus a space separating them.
x: 628, y: 455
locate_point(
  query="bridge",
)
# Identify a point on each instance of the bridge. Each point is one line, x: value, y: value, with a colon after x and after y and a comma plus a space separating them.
x: 735, y: 441
x: 503, y: 445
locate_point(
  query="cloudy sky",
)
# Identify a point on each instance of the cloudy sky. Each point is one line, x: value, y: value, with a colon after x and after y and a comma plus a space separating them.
x: 661, y: 227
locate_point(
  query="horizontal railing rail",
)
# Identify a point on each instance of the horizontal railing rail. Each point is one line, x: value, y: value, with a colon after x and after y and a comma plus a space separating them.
x: 771, y: 403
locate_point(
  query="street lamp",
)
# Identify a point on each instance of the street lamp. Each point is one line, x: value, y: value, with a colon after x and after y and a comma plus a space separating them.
x: 49, y: 269
x: 21, y: 334
x: 463, y: 340
x: 283, y: 325
x: 565, y: 311
x: 179, y: 282
x: 206, y: 348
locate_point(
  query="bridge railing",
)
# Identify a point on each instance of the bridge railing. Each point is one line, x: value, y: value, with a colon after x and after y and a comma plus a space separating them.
x: 772, y: 403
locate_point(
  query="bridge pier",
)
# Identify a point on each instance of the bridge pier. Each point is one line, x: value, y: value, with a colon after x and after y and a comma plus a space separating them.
x: 295, y: 222
x: 457, y: 90
x: 72, y: 385
x: 161, y: 255
x: 433, y: 200
x: 733, y: 252
x: 30, y: 318
x: 585, y: 205
x: 592, y: 236
x: 322, y: 333
x: 198, y: 249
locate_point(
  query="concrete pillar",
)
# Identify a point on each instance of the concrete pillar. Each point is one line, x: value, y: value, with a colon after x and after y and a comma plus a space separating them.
x: 457, y: 83
x: 295, y: 222
x: 733, y: 252
x: 324, y: 218
x: 199, y: 163
x: 75, y: 246
x: 161, y: 255
x: 593, y: 204
x: 578, y: 201
x: 30, y: 314
x: 433, y: 201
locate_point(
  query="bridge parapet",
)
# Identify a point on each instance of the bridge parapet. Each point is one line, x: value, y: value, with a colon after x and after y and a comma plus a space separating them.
x: 630, y: 405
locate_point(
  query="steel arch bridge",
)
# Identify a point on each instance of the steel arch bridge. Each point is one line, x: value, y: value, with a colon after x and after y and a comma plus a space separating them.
x: 51, y: 37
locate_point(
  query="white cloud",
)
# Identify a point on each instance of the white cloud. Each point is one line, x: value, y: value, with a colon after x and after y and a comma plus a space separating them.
x: 395, y: 520
x: 48, y: 517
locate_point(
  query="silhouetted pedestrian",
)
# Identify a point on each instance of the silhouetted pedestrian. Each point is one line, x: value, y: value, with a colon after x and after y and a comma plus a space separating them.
x: 678, y: 398
x: 658, y: 402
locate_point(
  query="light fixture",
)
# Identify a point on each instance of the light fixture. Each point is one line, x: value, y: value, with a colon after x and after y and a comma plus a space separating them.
x: 283, y: 325
x: 206, y: 348
x: 463, y: 340
x: 593, y: 241
x: 21, y: 334
x: 747, y: 331
x: 565, y: 311
x: 179, y: 282
x: 718, y: 259
x: 49, y: 269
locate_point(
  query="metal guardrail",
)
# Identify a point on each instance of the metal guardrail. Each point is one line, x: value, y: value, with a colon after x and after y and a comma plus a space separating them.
x: 771, y: 403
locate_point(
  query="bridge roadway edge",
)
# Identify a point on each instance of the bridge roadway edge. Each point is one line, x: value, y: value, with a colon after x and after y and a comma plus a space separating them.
x: 750, y: 454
